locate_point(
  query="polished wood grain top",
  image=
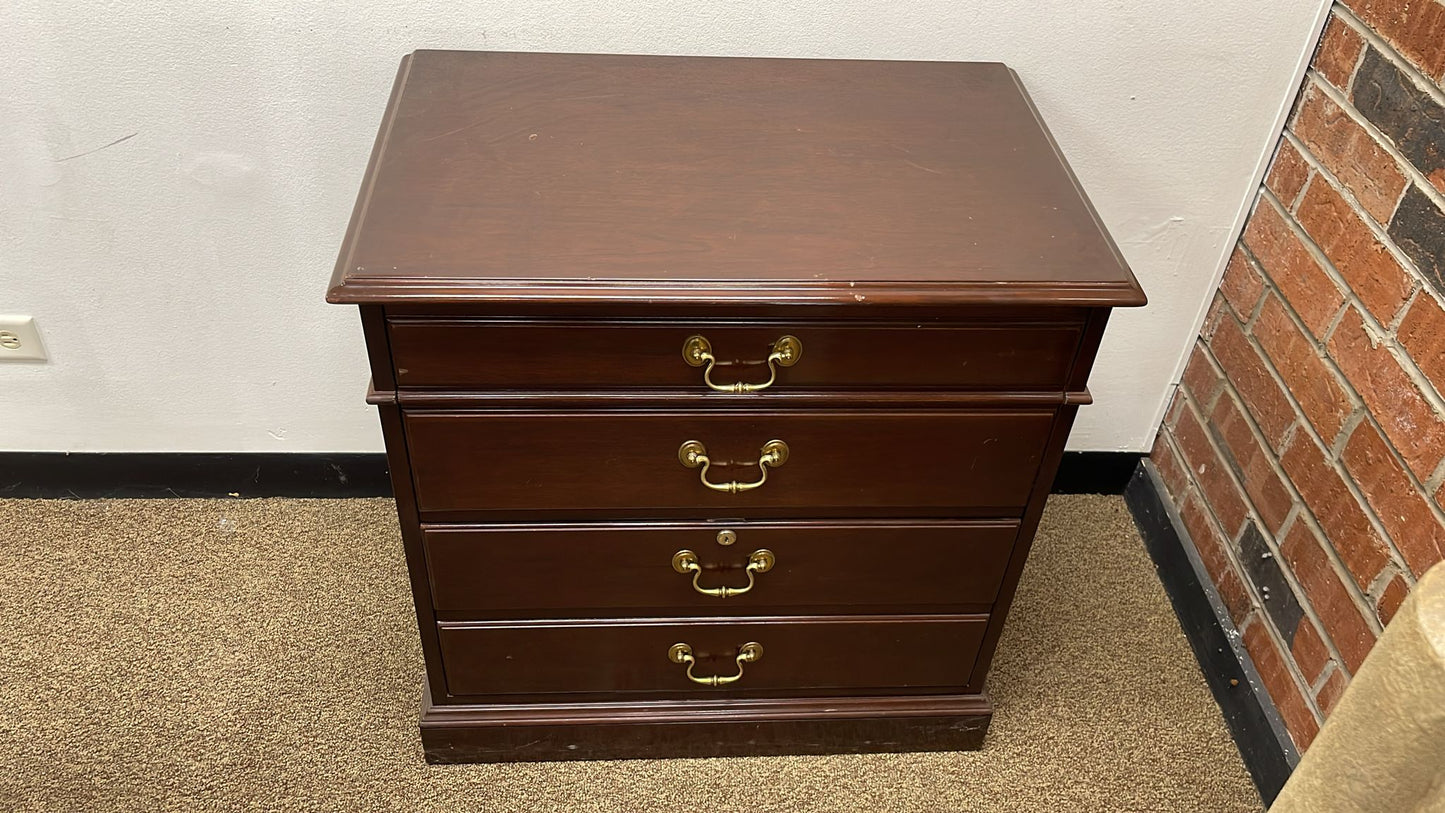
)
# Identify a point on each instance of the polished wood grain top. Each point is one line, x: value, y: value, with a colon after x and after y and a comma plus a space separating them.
x: 563, y: 177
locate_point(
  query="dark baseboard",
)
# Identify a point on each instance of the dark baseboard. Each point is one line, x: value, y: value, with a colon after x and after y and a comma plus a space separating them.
x: 1260, y: 735
x: 89, y: 475
x: 100, y: 475
x: 1095, y: 472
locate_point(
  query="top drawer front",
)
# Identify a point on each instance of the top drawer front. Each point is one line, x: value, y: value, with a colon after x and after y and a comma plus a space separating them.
x: 498, y: 354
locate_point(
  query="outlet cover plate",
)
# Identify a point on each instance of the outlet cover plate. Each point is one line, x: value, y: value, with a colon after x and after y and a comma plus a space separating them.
x: 20, y: 339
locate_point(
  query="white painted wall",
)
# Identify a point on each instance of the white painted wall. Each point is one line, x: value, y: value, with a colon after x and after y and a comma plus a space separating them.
x: 178, y: 274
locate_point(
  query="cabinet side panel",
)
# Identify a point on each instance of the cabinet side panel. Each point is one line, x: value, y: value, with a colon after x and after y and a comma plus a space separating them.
x: 1053, y: 453
x: 401, y: 484
x: 378, y: 348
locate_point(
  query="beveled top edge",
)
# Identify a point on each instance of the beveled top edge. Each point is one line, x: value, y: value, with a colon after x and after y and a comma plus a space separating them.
x: 1131, y: 282
x: 381, y: 290
x: 347, y: 288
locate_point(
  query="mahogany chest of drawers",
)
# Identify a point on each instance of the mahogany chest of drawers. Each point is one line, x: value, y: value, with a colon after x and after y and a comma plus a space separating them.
x: 721, y: 396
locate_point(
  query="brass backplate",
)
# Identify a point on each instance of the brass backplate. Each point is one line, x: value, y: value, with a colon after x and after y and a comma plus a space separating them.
x: 777, y: 450
x: 789, y: 350
x: 689, y: 452
x: 696, y: 350
x: 683, y: 561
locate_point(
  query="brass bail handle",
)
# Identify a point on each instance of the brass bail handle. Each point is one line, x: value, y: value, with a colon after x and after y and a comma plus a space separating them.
x: 750, y: 652
x: 785, y: 352
x: 693, y: 454
x: 759, y: 561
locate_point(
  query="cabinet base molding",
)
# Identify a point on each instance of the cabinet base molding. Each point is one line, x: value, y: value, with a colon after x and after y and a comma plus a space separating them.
x: 702, y: 728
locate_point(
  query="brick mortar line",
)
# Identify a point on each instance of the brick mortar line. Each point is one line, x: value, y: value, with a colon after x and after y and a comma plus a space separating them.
x: 1381, y: 233
x: 1324, y: 678
x: 1290, y: 436
x: 1258, y: 175
x: 1296, y: 499
x: 1411, y: 171
x: 1321, y: 259
x: 1428, y: 485
x: 1352, y: 422
x: 1379, y: 335
x: 1359, y: 60
x: 1383, y: 579
x: 1333, y: 325
x: 1293, y: 516
x: 1433, y: 482
x: 1310, y: 174
x: 1427, y: 83
x: 1342, y: 438
x: 1370, y: 621
x: 1258, y: 267
x: 1302, y: 424
x: 1321, y: 345
x: 1404, y: 310
x: 1256, y: 600
x: 1219, y: 373
x: 1399, y: 199
x: 1289, y: 520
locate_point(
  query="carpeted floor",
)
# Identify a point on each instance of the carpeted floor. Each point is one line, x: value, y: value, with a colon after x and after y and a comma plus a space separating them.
x: 262, y: 654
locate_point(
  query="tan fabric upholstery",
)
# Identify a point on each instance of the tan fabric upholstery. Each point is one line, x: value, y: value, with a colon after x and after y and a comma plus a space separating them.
x: 1383, y: 748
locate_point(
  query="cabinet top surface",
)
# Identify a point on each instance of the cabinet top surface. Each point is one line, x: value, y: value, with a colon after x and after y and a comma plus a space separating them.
x: 567, y: 177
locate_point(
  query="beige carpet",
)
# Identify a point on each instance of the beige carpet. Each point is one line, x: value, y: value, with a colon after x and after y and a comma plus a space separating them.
x: 261, y: 655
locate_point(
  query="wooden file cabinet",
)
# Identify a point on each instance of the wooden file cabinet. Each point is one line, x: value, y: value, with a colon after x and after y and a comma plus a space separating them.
x: 721, y: 396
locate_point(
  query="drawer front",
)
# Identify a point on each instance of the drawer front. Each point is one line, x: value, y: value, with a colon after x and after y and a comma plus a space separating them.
x: 816, y: 655
x: 645, y: 567
x: 837, y: 463
x: 471, y: 354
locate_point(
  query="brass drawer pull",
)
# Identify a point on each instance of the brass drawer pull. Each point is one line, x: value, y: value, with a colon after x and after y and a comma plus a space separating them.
x: 759, y: 561
x: 750, y: 652
x: 785, y: 352
x: 693, y: 454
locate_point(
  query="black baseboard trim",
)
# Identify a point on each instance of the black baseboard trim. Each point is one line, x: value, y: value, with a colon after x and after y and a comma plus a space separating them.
x: 99, y: 475
x: 58, y: 475
x: 1095, y: 472
x: 1253, y: 721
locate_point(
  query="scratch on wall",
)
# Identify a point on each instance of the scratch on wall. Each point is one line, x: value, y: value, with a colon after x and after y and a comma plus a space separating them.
x: 120, y: 140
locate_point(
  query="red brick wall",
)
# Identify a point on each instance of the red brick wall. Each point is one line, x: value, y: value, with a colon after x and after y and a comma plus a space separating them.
x: 1305, y: 448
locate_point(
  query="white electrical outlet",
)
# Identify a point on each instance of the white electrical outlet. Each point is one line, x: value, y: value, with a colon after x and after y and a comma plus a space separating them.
x: 20, y: 339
